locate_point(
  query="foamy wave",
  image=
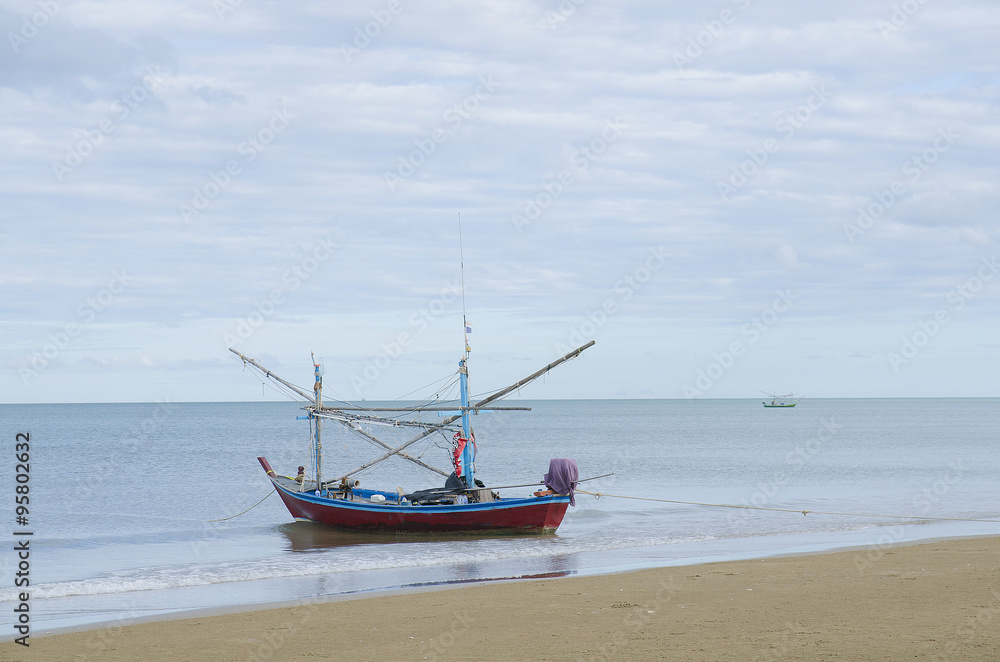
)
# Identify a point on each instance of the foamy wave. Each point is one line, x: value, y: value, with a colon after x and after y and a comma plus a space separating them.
x: 181, y: 576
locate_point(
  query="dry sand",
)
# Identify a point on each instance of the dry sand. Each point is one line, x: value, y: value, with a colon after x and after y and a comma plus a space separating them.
x: 934, y: 601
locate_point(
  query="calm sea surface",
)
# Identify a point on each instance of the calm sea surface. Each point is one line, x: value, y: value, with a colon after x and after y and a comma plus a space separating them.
x: 123, y: 496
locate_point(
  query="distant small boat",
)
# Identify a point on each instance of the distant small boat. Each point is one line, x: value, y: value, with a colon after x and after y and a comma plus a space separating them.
x: 781, y: 401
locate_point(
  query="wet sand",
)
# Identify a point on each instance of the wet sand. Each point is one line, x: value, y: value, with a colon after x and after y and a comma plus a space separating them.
x: 932, y: 601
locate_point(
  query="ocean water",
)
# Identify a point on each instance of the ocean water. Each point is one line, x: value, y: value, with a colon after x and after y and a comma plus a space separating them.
x: 125, y: 498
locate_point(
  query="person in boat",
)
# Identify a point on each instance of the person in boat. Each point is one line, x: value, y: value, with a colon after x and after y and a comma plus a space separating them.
x: 302, y: 475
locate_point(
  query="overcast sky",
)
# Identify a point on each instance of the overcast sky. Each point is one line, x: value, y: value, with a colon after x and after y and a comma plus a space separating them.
x: 729, y: 197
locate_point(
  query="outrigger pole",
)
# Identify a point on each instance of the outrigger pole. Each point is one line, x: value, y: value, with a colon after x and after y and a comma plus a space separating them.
x: 317, y: 411
x: 375, y: 440
x: 451, y: 419
x: 271, y: 375
x: 482, y: 404
x: 532, y: 377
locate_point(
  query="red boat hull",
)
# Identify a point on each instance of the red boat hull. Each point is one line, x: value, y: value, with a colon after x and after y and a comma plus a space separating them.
x: 530, y: 515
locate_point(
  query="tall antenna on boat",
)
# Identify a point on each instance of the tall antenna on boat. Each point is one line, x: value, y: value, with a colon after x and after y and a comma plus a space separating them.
x: 461, y: 261
x: 465, y: 467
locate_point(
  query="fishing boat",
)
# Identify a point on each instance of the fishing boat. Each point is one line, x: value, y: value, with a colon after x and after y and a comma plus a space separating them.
x: 464, y: 504
x: 781, y: 401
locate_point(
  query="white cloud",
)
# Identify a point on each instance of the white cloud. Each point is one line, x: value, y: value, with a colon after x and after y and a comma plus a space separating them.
x: 74, y: 93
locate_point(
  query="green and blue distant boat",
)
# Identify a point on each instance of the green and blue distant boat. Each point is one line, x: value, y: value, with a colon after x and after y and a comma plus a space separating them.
x: 781, y: 400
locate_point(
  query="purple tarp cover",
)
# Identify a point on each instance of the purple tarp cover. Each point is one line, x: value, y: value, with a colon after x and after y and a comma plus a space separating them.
x: 562, y: 477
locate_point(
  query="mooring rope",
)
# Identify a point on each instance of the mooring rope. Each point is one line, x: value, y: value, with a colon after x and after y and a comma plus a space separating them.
x: 273, y: 490
x: 598, y: 495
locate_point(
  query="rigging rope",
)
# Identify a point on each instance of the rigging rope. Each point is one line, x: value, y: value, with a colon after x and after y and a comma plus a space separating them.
x: 245, y: 511
x: 598, y: 495
x: 277, y: 388
x: 428, y: 399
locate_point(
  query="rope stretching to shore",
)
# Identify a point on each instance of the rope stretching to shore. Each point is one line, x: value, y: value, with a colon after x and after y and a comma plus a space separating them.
x: 598, y: 495
x: 245, y: 511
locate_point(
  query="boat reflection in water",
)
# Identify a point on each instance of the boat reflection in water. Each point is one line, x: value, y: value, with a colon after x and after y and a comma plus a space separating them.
x: 312, y: 537
x: 444, y: 560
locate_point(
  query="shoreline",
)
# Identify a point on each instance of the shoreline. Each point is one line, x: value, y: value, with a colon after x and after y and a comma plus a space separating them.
x: 364, y: 594
x: 929, y: 599
x: 449, y: 584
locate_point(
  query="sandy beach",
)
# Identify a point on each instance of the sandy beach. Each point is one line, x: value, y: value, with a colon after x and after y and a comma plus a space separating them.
x: 932, y: 601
